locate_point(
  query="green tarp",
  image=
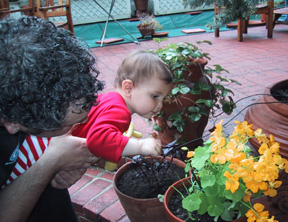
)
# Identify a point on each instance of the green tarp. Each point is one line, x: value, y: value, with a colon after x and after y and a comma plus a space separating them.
x: 171, y: 23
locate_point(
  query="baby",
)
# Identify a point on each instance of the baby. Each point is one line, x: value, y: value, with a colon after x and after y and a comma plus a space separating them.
x: 143, y: 81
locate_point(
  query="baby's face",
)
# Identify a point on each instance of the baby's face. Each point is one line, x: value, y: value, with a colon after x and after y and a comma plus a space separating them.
x: 147, y: 98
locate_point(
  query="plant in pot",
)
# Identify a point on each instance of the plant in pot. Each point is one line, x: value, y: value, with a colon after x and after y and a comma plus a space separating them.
x: 226, y: 177
x: 228, y: 10
x: 137, y: 184
x: 148, y: 25
x: 199, y: 92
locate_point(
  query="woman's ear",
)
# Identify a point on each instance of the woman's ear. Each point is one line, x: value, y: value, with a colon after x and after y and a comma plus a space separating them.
x: 12, y: 128
x: 127, y: 87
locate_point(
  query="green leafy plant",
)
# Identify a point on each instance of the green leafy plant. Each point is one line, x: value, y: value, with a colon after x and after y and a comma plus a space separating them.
x: 226, y: 176
x: 179, y: 57
x: 228, y: 10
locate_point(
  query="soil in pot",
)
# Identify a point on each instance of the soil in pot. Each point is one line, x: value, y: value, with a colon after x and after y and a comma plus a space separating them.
x: 147, y: 179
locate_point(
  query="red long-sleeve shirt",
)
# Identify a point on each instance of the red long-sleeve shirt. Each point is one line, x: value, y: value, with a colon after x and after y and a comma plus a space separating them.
x: 105, y: 127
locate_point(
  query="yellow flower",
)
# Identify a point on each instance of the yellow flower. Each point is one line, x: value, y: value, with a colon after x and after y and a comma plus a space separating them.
x: 248, y: 195
x: 263, y: 148
x: 258, y: 214
x: 275, y: 147
x: 272, y: 219
x: 272, y: 140
x: 222, y: 156
x: 190, y: 154
x: 218, y: 143
x: 232, y: 183
x: 261, y: 137
x: 272, y: 186
x: 284, y: 165
x: 244, y: 128
x: 218, y: 132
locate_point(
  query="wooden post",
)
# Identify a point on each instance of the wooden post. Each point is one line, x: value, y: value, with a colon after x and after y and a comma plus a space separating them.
x: 240, y: 30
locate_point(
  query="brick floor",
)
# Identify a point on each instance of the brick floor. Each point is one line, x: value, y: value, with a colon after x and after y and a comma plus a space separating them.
x: 257, y: 62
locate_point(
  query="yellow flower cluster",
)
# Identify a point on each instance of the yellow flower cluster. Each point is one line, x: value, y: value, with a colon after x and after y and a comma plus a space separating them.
x: 257, y: 173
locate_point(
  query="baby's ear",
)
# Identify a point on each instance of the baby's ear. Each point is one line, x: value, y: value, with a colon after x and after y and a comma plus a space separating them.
x: 127, y: 87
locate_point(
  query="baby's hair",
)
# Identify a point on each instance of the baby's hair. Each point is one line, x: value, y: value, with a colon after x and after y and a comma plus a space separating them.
x: 140, y: 66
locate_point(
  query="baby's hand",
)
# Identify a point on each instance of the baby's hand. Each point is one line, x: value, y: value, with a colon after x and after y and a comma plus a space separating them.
x: 150, y: 147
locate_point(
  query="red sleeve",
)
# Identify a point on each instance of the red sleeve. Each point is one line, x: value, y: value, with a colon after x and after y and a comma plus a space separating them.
x: 105, y: 136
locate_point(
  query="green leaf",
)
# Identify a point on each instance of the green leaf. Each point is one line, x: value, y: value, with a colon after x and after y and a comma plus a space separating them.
x: 235, y: 81
x: 212, y: 191
x: 191, y: 202
x: 216, y: 208
x: 201, y: 155
x: 227, y: 215
x: 157, y: 127
x: 174, y: 91
x: 194, y: 117
x: 208, y: 180
x: 203, y: 206
x: 184, y: 90
x: 194, y: 109
x: 207, y: 102
x: 175, y: 116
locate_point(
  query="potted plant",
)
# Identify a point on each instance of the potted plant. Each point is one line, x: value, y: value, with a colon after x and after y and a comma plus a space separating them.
x: 137, y: 184
x: 226, y: 177
x: 233, y: 10
x: 148, y: 25
x: 199, y: 91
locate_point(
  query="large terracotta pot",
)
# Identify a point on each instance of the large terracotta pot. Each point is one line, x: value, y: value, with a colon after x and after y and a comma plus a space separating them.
x: 170, y: 192
x: 142, y: 210
x: 141, y: 5
x: 271, y: 116
x: 192, y: 131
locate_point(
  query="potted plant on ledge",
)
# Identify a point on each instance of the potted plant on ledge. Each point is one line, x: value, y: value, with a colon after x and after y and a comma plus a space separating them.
x: 199, y: 91
x: 148, y: 25
x: 226, y: 177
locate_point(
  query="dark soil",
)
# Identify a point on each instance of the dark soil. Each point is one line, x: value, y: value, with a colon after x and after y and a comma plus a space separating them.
x: 281, y: 94
x: 175, y: 207
x: 147, y: 179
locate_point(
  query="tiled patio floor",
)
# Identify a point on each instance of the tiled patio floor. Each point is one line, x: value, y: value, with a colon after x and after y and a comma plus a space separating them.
x: 257, y: 63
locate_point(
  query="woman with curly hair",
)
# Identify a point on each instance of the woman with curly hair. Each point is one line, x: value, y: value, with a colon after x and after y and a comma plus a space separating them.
x: 48, y: 81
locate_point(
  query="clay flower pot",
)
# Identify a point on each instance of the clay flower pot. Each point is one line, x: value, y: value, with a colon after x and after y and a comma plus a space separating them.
x: 144, y: 210
x: 193, y: 130
x: 146, y: 30
x: 171, y: 191
x: 271, y: 116
x: 141, y: 5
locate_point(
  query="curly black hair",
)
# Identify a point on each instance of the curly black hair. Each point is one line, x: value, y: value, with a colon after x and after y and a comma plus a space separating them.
x: 43, y: 71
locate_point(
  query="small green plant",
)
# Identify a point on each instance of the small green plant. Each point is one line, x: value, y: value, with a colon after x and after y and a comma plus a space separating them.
x: 179, y: 57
